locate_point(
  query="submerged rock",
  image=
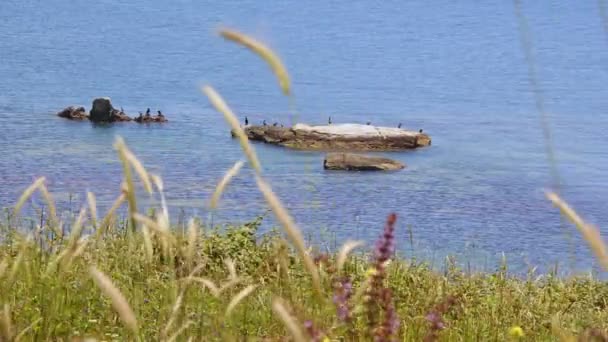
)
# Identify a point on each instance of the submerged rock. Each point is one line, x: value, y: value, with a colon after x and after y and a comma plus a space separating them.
x: 339, y: 137
x: 74, y: 113
x: 359, y: 162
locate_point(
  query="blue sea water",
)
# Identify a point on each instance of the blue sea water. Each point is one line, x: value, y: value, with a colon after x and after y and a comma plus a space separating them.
x: 454, y: 68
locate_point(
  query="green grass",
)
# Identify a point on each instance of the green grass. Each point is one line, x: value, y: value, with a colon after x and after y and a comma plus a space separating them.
x: 64, y: 302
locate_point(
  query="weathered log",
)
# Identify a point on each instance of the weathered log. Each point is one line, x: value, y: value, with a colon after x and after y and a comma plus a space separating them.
x: 338, y: 137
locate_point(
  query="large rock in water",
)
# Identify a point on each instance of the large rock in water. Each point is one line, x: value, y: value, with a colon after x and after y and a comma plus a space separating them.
x: 74, y: 113
x: 359, y: 162
x: 339, y: 137
x: 102, y: 110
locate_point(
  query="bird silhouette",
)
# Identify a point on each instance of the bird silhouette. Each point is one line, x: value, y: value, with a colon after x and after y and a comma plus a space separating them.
x: 148, y: 111
x: 246, y: 121
x: 399, y: 125
x: 264, y: 122
x: 368, y: 123
x: 329, y: 121
x: 420, y: 131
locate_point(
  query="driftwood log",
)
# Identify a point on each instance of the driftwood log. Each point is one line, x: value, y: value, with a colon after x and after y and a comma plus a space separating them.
x: 338, y: 137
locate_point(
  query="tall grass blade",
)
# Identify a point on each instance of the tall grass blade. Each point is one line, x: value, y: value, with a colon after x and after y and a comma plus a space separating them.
x: 192, y: 241
x: 92, y: 208
x: 221, y: 106
x: 219, y: 189
x: 105, y: 223
x: 120, y: 146
x: 119, y: 302
x: 26, y: 195
x: 180, y: 331
x: 27, y: 329
x: 590, y: 233
x: 50, y: 203
x: 346, y: 249
x: 6, y: 324
x: 263, y: 51
x: 290, y: 323
x: 238, y: 298
x: 292, y: 231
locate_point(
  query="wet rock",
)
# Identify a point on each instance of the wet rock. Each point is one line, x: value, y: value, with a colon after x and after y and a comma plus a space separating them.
x: 74, y: 113
x: 101, y: 110
x: 118, y: 116
x: 339, y: 137
x: 151, y: 119
x: 359, y: 162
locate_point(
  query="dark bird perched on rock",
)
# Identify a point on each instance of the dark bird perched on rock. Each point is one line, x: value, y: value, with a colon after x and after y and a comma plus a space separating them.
x: 148, y: 112
x: 420, y: 131
x: 368, y: 123
x: 275, y: 124
x: 329, y: 121
x: 264, y: 123
x: 399, y: 125
x: 122, y: 110
x: 160, y: 114
x: 246, y: 121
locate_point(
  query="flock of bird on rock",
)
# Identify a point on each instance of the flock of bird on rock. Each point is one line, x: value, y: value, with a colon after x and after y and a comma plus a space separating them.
x: 159, y: 117
x: 329, y: 122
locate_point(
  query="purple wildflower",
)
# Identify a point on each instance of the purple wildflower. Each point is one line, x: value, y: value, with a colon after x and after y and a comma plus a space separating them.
x: 342, y: 294
x: 315, y: 334
x: 382, y: 319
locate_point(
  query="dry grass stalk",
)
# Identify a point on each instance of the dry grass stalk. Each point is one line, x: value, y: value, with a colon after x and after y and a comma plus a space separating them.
x: 292, y: 231
x: 180, y: 331
x: 120, y: 146
x: 231, y: 266
x: 48, y: 198
x: 19, y: 260
x: 158, y: 182
x: 346, y: 249
x: 26, y: 195
x: 76, y: 230
x: 147, y: 243
x: 292, y: 326
x: 263, y: 51
x: 92, y: 208
x: 174, y: 311
x: 219, y: 189
x: 589, y: 232
x: 215, y: 291
x: 221, y: 106
x: 192, y: 240
x: 105, y: 223
x: 21, y: 334
x: 6, y: 324
x: 238, y: 298
x: 140, y: 169
x: 3, y: 267
x: 119, y: 302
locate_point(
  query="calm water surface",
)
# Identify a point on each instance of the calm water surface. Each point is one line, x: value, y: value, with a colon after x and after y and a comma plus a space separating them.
x: 453, y: 68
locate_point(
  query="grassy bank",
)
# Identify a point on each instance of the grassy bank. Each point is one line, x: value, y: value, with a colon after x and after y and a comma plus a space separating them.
x: 180, y: 285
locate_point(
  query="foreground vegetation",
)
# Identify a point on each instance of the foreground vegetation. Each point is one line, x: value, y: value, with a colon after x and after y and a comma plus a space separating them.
x: 221, y: 284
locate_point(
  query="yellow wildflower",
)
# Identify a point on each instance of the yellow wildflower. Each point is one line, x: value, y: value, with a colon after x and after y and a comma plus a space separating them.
x: 370, y: 272
x: 516, y: 332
